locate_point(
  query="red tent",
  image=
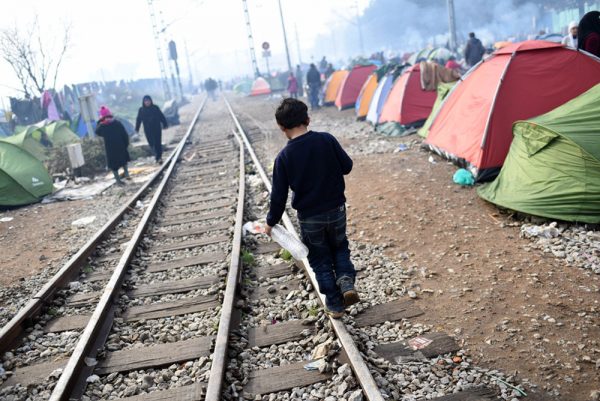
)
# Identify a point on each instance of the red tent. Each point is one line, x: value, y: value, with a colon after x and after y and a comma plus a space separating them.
x: 408, y: 103
x: 260, y: 87
x: 348, y: 93
x: 519, y: 81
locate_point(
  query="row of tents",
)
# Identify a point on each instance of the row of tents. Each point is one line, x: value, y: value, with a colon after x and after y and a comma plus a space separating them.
x: 527, y: 116
x: 23, y: 177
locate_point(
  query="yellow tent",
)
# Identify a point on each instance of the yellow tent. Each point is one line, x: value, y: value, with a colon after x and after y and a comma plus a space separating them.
x: 366, y: 94
x: 333, y: 85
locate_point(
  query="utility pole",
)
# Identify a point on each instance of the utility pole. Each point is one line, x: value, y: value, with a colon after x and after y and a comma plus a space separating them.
x: 298, y: 45
x: 452, y: 25
x: 287, y: 51
x: 159, y: 53
x: 250, y: 40
x: 187, y: 58
x: 359, y: 27
x: 173, y: 57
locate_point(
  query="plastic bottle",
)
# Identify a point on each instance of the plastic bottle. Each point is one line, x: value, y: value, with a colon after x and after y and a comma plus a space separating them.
x: 289, y: 242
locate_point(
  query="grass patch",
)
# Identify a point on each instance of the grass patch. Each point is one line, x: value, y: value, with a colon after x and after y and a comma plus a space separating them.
x: 248, y: 258
x: 285, y: 255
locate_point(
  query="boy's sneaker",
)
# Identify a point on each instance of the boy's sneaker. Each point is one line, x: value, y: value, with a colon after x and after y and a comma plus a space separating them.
x: 334, y: 314
x: 346, y: 285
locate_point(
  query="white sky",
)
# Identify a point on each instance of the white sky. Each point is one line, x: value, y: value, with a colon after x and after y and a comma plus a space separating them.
x: 112, y: 39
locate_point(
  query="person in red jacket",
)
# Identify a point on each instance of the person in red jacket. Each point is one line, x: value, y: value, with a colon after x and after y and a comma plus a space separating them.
x: 588, y: 37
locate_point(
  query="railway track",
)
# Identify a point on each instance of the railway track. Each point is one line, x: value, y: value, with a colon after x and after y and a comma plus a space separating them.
x: 191, y: 310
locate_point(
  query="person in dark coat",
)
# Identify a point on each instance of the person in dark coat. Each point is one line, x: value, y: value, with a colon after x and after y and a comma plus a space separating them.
x: 154, y: 121
x: 116, y: 142
x: 299, y: 79
x: 474, y: 50
x: 313, y: 80
x: 588, y: 36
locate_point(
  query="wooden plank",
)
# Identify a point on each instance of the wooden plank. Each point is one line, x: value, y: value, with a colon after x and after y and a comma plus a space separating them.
x: 203, y: 167
x: 280, y: 378
x: 95, y: 276
x: 388, y: 312
x: 67, y: 323
x: 280, y: 270
x: 477, y: 394
x: 197, y: 218
x: 154, y: 356
x: 207, y: 171
x: 198, y: 208
x: 111, y: 257
x: 83, y: 298
x: 194, y: 231
x: 179, y: 307
x: 190, y: 244
x: 186, y: 262
x: 174, y: 287
x: 263, y: 291
x: 192, y: 392
x: 34, y: 374
x: 279, y: 333
x: 266, y: 247
x: 213, y: 185
x: 203, y: 191
x: 200, y: 199
x: 401, y: 352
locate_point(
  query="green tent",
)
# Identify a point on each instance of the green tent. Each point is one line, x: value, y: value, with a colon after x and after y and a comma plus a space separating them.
x: 23, y: 178
x: 442, y: 91
x: 553, y: 166
x: 59, y: 133
x: 31, y: 139
x: 243, y: 88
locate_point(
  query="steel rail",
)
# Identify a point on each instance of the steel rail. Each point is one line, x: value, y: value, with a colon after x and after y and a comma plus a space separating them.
x: 363, y: 375
x: 219, y: 357
x: 102, y: 316
x: 14, y: 328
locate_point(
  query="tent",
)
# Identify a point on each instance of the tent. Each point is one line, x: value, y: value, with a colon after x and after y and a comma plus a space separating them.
x: 519, y: 81
x: 419, y: 56
x: 553, y: 167
x: 58, y: 132
x: 381, y: 93
x: 350, y: 89
x: 332, y: 86
x: 443, y: 90
x: 440, y: 55
x: 243, y: 87
x: 260, y: 87
x: 408, y: 104
x: 32, y: 139
x: 365, y: 96
x: 23, y: 178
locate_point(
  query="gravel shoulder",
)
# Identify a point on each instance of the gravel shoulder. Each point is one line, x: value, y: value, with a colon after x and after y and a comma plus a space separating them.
x: 514, y: 304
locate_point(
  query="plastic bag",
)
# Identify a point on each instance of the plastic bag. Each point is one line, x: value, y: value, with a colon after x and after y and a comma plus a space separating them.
x: 463, y: 177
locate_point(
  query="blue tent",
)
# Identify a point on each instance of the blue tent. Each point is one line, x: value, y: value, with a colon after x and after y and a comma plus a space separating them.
x: 379, y: 97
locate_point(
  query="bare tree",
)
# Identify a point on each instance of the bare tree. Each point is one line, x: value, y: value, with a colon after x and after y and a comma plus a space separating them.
x: 35, y: 60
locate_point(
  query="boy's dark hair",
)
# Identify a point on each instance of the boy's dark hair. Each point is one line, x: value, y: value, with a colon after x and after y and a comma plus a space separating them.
x: 471, y: 34
x: 291, y: 113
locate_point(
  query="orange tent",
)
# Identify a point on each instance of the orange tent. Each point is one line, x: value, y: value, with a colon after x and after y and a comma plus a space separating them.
x: 333, y: 85
x: 260, y: 87
x: 407, y: 103
x: 365, y: 96
x: 519, y: 81
x: 350, y: 89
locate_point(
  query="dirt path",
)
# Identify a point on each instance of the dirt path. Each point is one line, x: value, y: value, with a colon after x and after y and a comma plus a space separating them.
x: 511, y: 306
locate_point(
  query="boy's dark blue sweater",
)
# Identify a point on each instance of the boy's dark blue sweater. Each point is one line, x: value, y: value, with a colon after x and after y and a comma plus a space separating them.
x: 313, y: 165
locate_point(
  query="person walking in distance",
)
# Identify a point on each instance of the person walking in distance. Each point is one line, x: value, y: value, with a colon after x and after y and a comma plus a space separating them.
x: 154, y: 121
x: 313, y: 80
x: 313, y: 165
x: 292, y: 86
x: 116, y: 142
x: 474, y: 50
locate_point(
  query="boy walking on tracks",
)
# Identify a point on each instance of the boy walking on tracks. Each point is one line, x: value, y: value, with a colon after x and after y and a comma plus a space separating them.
x: 313, y: 165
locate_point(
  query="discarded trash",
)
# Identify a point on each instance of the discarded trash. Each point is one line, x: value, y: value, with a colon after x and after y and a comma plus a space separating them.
x: 530, y: 231
x: 419, y: 342
x: 463, y: 177
x: 401, y: 148
x: 74, y: 285
x: 315, y: 365
x: 90, y: 361
x: 321, y: 350
x: 84, y: 221
x: 432, y: 160
x: 253, y: 227
x: 6, y: 219
x: 92, y: 379
x: 139, y: 205
x: 56, y: 373
x: 287, y: 241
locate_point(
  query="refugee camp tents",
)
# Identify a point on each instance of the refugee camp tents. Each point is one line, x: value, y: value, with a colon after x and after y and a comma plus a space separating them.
x: 243, y: 88
x: 381, y: 93
x: 419, y: 56
x: 58, y: 132
x: 332, y: 86
x: 407, y: 103
x: 519, y: 81
x: 365, y: 96
x: 32, y: 139
x: 440, y: 55
x: 350, y: 88
x: 23, y: 178
x: 553, y: 166
x: 442, y: 91
x: 260, y: 87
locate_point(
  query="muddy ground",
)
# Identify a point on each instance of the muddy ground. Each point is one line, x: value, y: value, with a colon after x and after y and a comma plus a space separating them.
x: 511, y: 306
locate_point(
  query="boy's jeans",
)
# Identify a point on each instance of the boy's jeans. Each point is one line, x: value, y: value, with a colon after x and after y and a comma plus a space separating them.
x: 328, y: 253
